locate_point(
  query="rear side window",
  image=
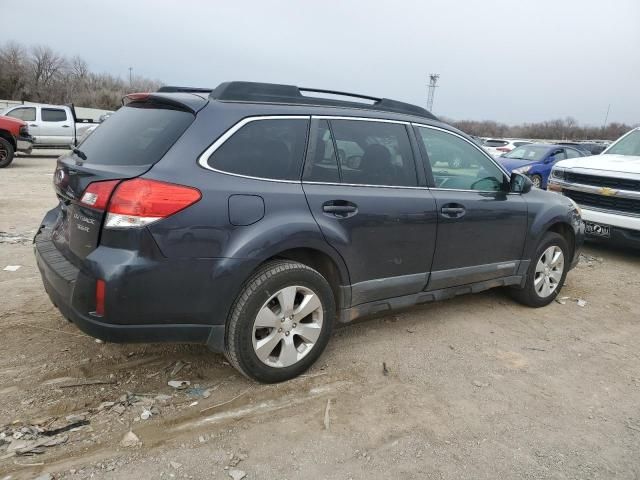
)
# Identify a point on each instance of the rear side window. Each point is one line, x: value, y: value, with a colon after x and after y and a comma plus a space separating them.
x: 322, y: 163
x: 571, y: 153
x: 138, y: 134
x: 270, y: 148
x: 28, y: 114
x: 374, y: 153
x: 53, y: 115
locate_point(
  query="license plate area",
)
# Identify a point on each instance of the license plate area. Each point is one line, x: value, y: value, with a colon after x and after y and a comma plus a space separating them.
x: 597, y: 229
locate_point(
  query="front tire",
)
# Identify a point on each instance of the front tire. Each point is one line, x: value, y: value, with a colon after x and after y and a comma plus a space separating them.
x: 280, y: 323
x: 536, y: 180
x: 6, y: 153
x: 546, y: 274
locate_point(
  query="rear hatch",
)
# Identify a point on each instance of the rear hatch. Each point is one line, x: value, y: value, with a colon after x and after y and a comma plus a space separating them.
x: 126, y: 146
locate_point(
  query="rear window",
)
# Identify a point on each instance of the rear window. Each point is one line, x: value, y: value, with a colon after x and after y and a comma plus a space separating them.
x: 138, y: 134
x: 495, y: 143
x: 264, y: 148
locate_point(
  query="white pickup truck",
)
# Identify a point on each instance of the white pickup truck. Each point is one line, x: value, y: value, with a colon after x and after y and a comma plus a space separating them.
x: 51, y: 125
x: 607, y: 188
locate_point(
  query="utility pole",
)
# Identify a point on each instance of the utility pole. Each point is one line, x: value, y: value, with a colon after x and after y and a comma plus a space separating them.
x: 130, y: 77
x: 433, y: 80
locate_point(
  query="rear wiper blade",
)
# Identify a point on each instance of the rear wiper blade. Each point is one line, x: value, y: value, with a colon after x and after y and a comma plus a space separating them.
x: 79, y: 153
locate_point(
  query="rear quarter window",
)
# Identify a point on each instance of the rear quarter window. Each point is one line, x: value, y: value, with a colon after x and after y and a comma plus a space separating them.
x: 270, y: 148
x: 138, y: 134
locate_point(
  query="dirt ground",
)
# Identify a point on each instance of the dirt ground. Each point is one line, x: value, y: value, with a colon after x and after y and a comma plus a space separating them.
x: 477, y: 387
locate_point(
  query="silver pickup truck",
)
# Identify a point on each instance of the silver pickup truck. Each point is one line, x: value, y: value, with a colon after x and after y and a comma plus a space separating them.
x: 51, y: 125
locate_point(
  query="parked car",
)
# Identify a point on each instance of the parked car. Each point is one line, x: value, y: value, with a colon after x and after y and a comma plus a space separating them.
x: 536, y: 160
x: 50, y: 125
x: 230, y: 218
x: 498, y: 147
x: 607, y: 188
x: 14, y: 137
x: 590, y: 148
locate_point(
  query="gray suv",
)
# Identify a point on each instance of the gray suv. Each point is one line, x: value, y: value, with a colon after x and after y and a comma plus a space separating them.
x: 252, y: 218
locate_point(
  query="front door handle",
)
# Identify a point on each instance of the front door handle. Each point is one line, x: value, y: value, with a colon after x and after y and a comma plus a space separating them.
x: 340, y: 208
x: 453, y: 210
x: 66, y: 126
x: 33, y: 124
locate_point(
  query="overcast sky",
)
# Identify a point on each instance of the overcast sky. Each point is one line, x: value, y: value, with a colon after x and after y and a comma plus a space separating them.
x: 505, y: 60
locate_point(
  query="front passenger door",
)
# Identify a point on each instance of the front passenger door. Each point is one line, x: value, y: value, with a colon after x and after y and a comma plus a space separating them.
x: 481, y: 226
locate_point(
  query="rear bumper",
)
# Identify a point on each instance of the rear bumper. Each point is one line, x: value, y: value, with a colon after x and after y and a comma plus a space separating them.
x: 24, y: 144
x: 136, y: 312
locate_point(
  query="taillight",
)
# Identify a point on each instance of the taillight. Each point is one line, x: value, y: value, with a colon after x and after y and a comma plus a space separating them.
x: 139, y: 202
x: 97, y: 194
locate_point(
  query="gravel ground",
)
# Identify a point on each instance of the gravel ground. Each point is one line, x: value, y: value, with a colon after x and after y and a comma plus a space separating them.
x: 477, y: 387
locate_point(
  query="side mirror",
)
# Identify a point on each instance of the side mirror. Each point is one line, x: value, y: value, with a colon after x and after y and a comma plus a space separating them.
x: 519, y: 183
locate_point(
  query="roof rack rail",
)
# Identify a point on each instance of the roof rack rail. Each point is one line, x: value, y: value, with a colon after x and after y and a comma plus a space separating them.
x: 276, y: 93
x: 172, y: 89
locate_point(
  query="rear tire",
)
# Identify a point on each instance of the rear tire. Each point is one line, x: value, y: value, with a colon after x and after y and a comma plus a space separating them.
x: 280, y: 323
x: 546, y: 274
x: 6, y: 153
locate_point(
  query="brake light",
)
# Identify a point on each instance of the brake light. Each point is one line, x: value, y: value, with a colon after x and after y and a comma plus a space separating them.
x: 140, y: 201
x: 97, y: 194
x: 100, y: 294
x: 135, y: 97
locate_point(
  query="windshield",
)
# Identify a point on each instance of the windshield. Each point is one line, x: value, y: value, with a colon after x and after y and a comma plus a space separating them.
x: 138, y: 134
x: 628, y: 145
x: 528, y: 153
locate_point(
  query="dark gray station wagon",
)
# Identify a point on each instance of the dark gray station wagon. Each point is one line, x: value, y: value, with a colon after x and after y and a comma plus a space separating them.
x: 251, y: 218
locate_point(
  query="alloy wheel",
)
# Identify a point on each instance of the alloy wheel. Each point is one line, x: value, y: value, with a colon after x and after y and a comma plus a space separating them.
x: 549, y: 270
x: 287, y: 326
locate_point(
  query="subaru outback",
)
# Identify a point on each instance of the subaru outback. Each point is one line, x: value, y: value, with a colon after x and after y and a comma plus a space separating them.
x: 253, y: 217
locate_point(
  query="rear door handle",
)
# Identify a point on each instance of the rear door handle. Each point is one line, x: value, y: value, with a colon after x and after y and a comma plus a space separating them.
x: 453, y: 210
x: 340, y: 208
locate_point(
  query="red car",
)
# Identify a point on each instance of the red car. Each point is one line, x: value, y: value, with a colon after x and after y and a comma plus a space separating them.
x: 14, y: 136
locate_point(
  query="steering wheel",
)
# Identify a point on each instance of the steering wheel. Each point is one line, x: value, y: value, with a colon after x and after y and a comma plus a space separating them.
x: 482, y: 180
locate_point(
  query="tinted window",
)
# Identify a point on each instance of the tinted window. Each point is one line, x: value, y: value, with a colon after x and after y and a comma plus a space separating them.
x: 53, y: 115
x: 138, y: 134
x: 264, y: 148
x: 374, y: 153
x: 458, y: 164
x: 28, y: 114
x: 322, y: 163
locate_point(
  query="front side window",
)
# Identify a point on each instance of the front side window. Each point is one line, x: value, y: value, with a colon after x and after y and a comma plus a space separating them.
x: 28, y: 114
x: 530, y: 153
x: 53, y: 115
x: 456, y: 164
x: 374, y: 153
x: 264, y: 148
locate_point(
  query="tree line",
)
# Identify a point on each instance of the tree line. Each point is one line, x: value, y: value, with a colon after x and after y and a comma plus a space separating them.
x: 560, y: 129
x: 39, y: 74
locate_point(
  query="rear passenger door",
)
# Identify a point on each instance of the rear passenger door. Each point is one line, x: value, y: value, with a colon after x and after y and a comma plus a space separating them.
x: 362, y: 186
x: 481, y: 226
x: 55, y: 126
